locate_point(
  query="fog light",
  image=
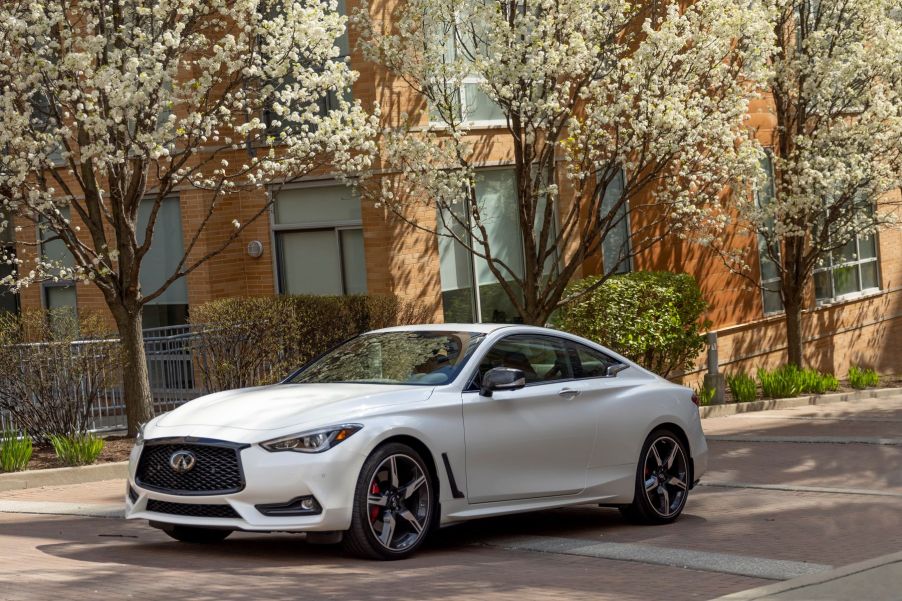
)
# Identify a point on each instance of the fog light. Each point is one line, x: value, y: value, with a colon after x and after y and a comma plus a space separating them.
x: 297, y: 506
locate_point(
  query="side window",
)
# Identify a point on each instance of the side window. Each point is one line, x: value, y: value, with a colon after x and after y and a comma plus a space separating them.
x: 541, y: 358
x: 589, y: 363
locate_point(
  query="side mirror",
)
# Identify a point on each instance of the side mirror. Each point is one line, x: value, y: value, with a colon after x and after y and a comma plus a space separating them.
x: 615, y: 369
x: 502, y: 378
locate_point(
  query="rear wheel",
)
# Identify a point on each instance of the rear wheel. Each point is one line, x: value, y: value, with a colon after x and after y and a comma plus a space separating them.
x: 393, y: 504
x: 662, y: 480
x: 193, y: 534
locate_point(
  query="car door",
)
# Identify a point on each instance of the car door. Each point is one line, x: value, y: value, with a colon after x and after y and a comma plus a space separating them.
x: 532, y: 442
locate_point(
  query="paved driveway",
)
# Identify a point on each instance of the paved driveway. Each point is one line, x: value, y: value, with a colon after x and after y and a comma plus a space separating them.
x: 788, y: 493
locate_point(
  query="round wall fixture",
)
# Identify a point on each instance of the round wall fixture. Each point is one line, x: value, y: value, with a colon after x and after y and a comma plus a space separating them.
x: 255, y: 248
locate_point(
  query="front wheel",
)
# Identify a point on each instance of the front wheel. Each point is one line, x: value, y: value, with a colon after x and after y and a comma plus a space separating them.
x: 393, y: 504
x: 662, y: 480
x: 192, y: 534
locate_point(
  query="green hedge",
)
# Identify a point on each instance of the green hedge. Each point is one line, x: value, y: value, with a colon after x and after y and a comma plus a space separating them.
x: 260, y: 340
x: 651, y: 317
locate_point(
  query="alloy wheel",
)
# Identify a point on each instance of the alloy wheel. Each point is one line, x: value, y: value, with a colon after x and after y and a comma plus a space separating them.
x: 398, y: 502
x: 665, y: 476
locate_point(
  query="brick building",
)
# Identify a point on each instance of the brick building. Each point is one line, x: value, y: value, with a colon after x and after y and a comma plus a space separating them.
x: 320, y: 238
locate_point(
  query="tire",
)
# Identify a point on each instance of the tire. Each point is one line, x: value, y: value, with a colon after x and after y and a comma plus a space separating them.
x: 662, y: 480
x: 196, y: 535
x: 394, y: 502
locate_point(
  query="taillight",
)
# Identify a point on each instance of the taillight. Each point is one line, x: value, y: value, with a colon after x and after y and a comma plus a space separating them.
x: 695, y: 399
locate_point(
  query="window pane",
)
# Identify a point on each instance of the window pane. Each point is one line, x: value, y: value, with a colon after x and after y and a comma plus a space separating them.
x: 768, y: 267
x: 165, y: 252
x: 321, y: 204
x: 823, y: 285
x: 354, y: 261
x: 615, y: 247
x: 60, y: 297
x: 456, y: 271
x: 541, y: 359
x: 772, y: 301
x: 848, y: 252
x: 869, y: 275
x: 495, y: 197
x: 6, y: 232
x: 342, y: 41
x: 8, y: 301
x: 163, y: 316
x: 589, y: 362
x: 845, y: 280
x: 309, y: 262
x: 867, y: 248
x: 480, y: 107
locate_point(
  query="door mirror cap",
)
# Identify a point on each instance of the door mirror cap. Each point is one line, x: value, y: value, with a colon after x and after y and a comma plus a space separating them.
x: 615, y: 369
x: 502, y: 378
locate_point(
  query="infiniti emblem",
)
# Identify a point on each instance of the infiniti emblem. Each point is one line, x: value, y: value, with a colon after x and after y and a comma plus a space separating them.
x: 182, y: 461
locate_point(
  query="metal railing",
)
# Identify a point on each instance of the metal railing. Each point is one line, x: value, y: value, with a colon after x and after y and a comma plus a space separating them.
x: 174, y: 367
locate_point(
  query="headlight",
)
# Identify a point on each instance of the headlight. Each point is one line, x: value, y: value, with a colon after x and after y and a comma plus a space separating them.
x: 314, y: 441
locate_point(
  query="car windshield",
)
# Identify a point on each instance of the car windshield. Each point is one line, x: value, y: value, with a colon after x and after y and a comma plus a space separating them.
x: 427, y: 358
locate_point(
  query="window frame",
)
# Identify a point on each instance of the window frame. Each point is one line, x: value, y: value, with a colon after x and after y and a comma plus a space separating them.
x: 8, y: 247
x: 473, y: 386
x: 764, y: 284
x: 337, y: 226
x: 625, y: 265
x: 573, y: 348
x: 832, y: 267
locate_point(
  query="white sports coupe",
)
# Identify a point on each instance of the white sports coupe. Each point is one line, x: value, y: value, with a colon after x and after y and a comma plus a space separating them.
x: 404, y: 429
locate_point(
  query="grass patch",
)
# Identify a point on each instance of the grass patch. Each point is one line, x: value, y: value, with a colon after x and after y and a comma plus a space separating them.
x: 77, y: 449
x: 705, y: 395
x: 860, y: 379
x: 742, y: 387
x: 15, y: 451
x: 781, y: 383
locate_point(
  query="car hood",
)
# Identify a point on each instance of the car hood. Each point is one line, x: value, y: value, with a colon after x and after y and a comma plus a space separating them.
x: 284, y: 405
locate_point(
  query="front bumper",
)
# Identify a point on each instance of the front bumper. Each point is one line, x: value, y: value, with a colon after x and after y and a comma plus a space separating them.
x: 270, y: 478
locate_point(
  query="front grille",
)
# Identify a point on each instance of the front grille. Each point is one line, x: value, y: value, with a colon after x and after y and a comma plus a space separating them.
x: 196, y: 511
x: 216, y: 470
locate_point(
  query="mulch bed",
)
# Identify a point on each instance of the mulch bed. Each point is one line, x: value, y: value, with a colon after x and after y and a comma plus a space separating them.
x: 115, y: 448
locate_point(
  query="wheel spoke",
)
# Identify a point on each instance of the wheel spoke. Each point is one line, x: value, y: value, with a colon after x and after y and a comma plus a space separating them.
x: 388, y: 529
x: 393, y: 470
x: 665, y: 501
x: 414, y: 486
x: 654, y: 450
x: 408, y: 515
x: 650, y: 484
x: 673, y: 454
x: 674, y: 481
x: 381, y: 501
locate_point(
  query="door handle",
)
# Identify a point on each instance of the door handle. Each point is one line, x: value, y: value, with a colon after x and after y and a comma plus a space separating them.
x: 568, y: 393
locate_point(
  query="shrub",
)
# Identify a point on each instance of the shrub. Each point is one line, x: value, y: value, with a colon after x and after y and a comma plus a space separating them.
x: 814, y: 382
x: 53, y: 366
x: 781, y: 383
x: 259, y: 340
x: 653, y: 318
x: 77, y: 449
x: 742, y: 387
x: 15, y: 451
x: 862, y: 378
x: 705, y: 395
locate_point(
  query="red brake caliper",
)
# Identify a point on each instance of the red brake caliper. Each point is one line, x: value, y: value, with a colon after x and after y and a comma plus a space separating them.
x: 374, y: 510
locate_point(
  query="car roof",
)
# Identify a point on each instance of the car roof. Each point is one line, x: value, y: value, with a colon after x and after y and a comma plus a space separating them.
x: 478, y: 328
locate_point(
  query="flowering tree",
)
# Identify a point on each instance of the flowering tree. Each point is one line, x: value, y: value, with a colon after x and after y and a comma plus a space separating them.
x: 587, y: 91
x: 837, y: 93
x: 108, y: 105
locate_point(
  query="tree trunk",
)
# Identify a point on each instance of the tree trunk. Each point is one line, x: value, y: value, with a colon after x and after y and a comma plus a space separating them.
x: 135, y: 382
x: 793, y: 308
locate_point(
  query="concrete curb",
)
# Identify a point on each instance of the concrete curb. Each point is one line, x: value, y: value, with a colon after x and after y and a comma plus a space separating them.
x: 804, y: 401
x: 880, y: 583
x: 63, y: 475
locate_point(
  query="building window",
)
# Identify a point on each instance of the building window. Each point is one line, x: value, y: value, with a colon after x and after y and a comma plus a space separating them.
x: 848, y: 271
x: 616, y: 248
x: 9, y: 302
x: 60, y: 294
x: 770, y: 274
x: 471, y: 104
x: 470, y: 291
x: 319, y: 241
x: 326, y: 103
x: 160, y: 262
